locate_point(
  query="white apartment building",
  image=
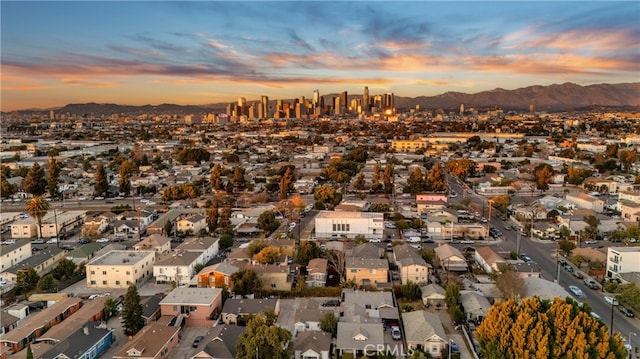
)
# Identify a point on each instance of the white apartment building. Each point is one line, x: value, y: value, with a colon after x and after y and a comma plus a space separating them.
x: 585, y: 201
x: 623, y: 263
x: 14, y: 253
x: 53, y: 223
x: 330, y: 224
x: 176, y: 267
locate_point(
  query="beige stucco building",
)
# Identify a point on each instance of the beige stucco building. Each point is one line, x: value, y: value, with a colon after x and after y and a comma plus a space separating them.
x: 119, y: 269
x: 367, y: 271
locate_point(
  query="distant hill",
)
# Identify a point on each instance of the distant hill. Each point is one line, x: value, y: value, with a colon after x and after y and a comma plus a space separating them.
x: 567, y: 96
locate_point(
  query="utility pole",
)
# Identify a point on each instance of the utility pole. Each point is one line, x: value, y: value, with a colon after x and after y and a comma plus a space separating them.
x: 558, y: 262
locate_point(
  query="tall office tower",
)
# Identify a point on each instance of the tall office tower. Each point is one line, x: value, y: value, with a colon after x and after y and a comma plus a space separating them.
x: 353, y: 106
x: 365, y: 99
x: 344, y: 102
x: 252, y: 112
x: 377, y: 102
x: 316, y: 98
x: 389, y: 100
x: 52, y: 115
x: 461, y: 108
x: 264, y: 105
x: 228, y: 110
x: 336, y: 105
x: 298, y: 110
x: 242, y: 104
x: 532, y: 108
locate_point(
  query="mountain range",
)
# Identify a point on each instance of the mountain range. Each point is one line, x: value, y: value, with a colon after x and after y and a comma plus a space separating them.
x: 563, y: 97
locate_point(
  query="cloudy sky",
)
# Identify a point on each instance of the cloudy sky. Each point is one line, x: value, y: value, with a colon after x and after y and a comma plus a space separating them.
x: 54, y: 53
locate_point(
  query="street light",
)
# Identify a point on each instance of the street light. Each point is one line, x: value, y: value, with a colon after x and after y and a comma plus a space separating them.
x: 614, y: 302
x: 629, y: 343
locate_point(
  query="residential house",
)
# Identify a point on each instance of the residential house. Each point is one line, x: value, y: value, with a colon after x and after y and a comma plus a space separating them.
x: 198, y: 306
x: 368, y: 272
x: 15, y: 253
x: 427, y: 202
x: 156, y: 242
x: 192, y: 224
x: 330, y: 224
x: 53, y: 223
x: 433, y: 295
x: 450, y: 258
x: 356, y: 338
x: 151, y: 308
x: 37, y: 324
x: 43, y: 262
x: 8, y: 322
x: 126, y: 228
x: 411, y: 266
x: 308, y: 316
x: 488, y: 259
x: 120, y: 269
x: 91, y: 311
x: 317, y: 272
x: 221, y: 343
x: 372, y: 306
x: 235, y: 308
x: 630, y: 211
x: 314, y: 344
x: 526, y: 270
x: 475, y: 305
x: 287, y: 246
x: 217, y: 274
x: 84, y: 253
x: 95, y: 225
x: 90, y: 340
x: 424, y: 331
x: 177, y: 267
x: 154, y: 341
x: 623, y: 263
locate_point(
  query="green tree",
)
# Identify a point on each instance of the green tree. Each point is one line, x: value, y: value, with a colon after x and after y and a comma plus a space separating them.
x: 29, y: 351
x: 267, y: 221
x: 592, y: 229
x: 27, y: 279
x: 566, y: 247
x: 627, y: 158
x: 124, y: 183
x: 226, y: 241
x: 65, y: 269
x: 37, y: 207
x: 387, y: 177
x: 538, y: 328
x: 101, y: 184
x: 239, y: 182
x: 329, y: 323
x: 428, y: 255
x: 245, y: 281
x: 263, y: 340
x: 452, y: 295
x: 308, y: 250
x: 375, y: 183
x: 132, y: 310
x: 34, y: 183
x: 460, y: 168
x: 327, y: 194
x: 6, y: 189
x: 53, y: 176
x: 110, y: 308
x: 46, y: 283
x: 411, y: 291
x: 168, y: 227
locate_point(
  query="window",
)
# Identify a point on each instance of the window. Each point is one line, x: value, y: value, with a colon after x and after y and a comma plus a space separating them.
x: 93, y: 272
x: 373, y: 271
x: 104, y: 282
x: 93, y: 282
x: 117, y: 282
x: 273, y: 285
x: 128, y: 273
x: 104, y: 272
x: 354, y: 270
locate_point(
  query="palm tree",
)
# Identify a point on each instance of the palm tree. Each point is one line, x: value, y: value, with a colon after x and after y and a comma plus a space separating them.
x: 37, y: 208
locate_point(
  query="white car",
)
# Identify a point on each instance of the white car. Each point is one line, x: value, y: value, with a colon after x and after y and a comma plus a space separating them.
x: 610, y: 300
x: 577, y: 291
x: 52, y: 240
x: 591, y: 241
x: 102, y: 240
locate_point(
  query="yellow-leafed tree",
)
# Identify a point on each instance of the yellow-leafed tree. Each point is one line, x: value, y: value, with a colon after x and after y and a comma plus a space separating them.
x: 536, y: 328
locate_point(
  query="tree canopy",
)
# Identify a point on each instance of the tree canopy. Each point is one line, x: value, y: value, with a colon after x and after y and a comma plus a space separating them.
x: 263, y: 339
x: 245, y: 281
x: 132, y: 310
x: 536, y: 328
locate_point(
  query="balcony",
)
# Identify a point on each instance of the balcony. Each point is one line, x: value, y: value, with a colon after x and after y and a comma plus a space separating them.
x: 614, y: 259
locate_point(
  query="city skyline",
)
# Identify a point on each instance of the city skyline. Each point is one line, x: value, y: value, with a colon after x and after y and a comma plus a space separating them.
x: 136, y: 53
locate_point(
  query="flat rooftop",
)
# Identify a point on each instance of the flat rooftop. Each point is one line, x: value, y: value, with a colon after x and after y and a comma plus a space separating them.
x: 346, y: 214
x: 195, y: 296
x: 118, y: 257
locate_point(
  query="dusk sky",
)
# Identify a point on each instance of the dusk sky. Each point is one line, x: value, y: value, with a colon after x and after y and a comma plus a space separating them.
x: 136, y: 53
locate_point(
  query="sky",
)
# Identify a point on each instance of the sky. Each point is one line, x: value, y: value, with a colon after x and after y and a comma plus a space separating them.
x: 153, y: 52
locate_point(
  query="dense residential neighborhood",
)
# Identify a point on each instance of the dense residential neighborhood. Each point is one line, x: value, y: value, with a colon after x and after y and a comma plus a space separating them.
x: 334, y: 237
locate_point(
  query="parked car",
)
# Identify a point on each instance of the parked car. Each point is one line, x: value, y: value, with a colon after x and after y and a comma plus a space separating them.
x: 626, y: 311
x: 197, y: 341
x: 610, y: 300
x: 578, y: 275
x: 454, y: 347
x: 52, y: 240
x: 102, y: 240
x: 591, y: 283
x: 568, y: 268
x: 395, y: 332
x: 595, y: 315
x: 591, y: 241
